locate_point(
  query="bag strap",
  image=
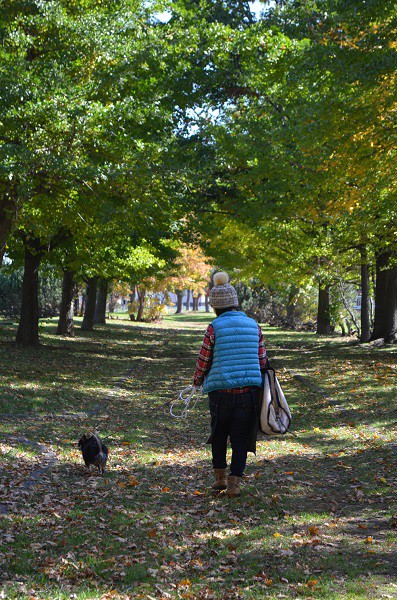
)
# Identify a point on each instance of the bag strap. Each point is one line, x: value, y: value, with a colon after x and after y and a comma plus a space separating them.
x: 273, y: 393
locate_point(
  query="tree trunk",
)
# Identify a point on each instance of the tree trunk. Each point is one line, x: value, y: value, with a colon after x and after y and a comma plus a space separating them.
x: 82, y: 305
x: 207, y: 303
x: 348, y: 310
x: 28, y: 328
x: 195, y: 303
x: 65, y: 322
x: 76, y: 304
x: 130, y: 305
x: 88, y: 320
x: 385, y: 325
x: 179, y: 302
x: 112, y: 302
x: 187, y: 303
x: 323, y: 319
x: 291, y: 306
x: 141, y: 304
x: 100, y: 307
x: 365, y: 314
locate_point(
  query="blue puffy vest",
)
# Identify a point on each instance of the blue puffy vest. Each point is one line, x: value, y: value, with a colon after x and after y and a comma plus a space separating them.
x: 235, y: 360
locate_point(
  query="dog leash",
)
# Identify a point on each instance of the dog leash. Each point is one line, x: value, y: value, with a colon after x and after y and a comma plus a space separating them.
x: 189, y: 396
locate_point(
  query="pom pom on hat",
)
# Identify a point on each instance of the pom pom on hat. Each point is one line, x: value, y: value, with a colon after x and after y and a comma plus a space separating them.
x: 223, y: 295
x: 221, y: 278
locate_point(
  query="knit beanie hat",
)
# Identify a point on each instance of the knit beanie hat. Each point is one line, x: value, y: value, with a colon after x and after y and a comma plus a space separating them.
x: 223, y: 295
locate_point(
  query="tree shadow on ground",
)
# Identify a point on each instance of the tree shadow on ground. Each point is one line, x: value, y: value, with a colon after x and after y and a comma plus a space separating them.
x: 164, y: 514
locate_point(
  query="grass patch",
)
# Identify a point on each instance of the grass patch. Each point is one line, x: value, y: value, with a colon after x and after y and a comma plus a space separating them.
x: 318, y: 517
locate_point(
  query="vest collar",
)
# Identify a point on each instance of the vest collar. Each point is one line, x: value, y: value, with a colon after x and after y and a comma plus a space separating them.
x: 231, y: 313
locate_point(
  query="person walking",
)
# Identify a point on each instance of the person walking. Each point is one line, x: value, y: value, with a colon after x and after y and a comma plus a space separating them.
x: 230, y: 366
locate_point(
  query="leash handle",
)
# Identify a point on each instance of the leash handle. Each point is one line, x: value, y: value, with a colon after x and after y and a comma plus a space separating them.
x: 186, y: 397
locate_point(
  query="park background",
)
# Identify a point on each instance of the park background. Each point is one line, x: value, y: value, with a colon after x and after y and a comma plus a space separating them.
x: 144, y: 146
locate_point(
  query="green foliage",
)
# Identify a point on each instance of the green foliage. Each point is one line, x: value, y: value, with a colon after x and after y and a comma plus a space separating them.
x: 271, y: 142
x: 282, y: 305
x: 154, y: 308
x: 87, y: 118
x: 11, y: 292
x: 302, y: 144
x: 50, y: 292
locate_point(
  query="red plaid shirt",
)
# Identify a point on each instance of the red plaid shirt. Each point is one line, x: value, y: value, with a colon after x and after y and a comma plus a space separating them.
x: 204, y: 360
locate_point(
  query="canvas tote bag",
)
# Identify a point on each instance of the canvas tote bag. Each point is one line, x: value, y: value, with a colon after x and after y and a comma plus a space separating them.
x: 275, y: 416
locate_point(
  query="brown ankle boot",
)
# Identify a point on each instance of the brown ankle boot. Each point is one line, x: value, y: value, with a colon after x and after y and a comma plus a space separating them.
x: 233, y: 486
x: 220, y: 482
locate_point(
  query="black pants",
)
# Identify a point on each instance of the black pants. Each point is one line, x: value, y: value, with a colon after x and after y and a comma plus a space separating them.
x: 232, y: 415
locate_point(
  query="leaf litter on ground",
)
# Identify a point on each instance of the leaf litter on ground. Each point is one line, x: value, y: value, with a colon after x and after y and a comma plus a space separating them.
x: 318, y: 513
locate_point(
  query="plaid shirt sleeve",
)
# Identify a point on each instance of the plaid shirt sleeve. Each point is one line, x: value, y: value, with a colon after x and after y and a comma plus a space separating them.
x: 263, y: 360
x: 204, y: 360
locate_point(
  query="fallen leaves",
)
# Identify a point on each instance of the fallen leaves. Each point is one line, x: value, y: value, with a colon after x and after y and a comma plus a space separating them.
x: 152, y: 524
x: 312, y: 530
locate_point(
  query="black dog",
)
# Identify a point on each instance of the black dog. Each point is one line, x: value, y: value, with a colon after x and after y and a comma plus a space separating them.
x: 94, y: 452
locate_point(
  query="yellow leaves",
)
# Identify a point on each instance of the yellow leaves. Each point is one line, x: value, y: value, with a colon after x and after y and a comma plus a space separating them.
x: 275, y: 498
x: 165, y: 489
x: 185, y: 583
x: 264, y: 578
x: 110, y: 594
x: 132, y: 481
x: 277, y: 534
x: 312, y: 582
x: 312, y: 530
x: 369, y: 540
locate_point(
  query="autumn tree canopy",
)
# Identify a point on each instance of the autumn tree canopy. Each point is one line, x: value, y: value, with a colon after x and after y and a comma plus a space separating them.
x: 269, y: 142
